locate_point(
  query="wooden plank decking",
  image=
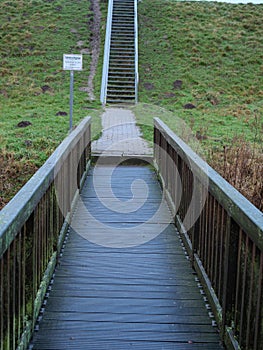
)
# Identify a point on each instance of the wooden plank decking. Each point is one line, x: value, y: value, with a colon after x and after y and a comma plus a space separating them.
x: 121, y: 294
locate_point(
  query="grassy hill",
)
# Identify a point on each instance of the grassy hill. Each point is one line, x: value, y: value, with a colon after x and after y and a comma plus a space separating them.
x: 207, y: 54
x: 34, y: 89
x: 199, y: 61
x: 202, y: 62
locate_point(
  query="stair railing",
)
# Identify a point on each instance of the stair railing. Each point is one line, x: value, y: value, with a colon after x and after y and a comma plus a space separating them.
x: 104, y: 81
x: 136, y: 50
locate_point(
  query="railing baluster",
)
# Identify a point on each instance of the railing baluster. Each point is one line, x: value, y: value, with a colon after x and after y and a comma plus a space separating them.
x: 249, y: 324
x: 23, y: 278
x: 2, y: 304
x: 13, y: 312
x: 8, y: 291
x: 216, y: 246
x: 227, y: 262
x: 222, y: 238
x: 258, y: 320
x: 19, y: 284
x: 239, y: 279
x: 243, y: 305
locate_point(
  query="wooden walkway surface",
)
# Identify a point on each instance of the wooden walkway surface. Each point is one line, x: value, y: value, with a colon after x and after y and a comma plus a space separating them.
x: 129, y: 293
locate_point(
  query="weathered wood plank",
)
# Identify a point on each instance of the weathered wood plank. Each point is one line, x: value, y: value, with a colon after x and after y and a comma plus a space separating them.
x: 124, y: 318
x: 130, y: 335
x: 80, y: 344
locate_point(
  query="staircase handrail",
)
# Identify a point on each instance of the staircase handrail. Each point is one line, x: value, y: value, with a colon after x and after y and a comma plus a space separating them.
x: 104, y: 81
x: 136, y: 49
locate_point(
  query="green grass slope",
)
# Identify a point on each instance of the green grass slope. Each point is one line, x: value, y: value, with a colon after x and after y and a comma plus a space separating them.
x: 206, y: 54
x: 34, y: 35
x: 202, y: 63
x: 199, y: 61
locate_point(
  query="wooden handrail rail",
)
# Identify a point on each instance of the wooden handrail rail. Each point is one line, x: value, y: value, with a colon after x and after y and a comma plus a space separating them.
x: 224, y: 238
x: 32, y: 229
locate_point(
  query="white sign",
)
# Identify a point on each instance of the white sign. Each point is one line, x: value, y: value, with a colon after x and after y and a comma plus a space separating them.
x: 72, y: 62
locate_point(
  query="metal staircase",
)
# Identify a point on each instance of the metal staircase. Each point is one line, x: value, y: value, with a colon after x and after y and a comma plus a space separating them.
x: 120, y: 77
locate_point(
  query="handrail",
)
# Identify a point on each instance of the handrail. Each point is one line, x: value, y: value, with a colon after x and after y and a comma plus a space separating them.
x: 32, y: 229
x: 104, y: 81
x: 225, y: 241
x: 136, y: 50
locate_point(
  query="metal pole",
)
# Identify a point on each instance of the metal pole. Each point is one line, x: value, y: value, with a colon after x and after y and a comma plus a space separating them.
x: 71, y: 99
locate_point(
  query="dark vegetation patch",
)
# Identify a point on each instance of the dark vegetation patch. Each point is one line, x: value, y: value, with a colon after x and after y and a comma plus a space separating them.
x: 61, y: 113
x: 148, y: 86
x: 24, y: 124
x: 177, y: 84
x: 242, y: 166
x: 189, y: 106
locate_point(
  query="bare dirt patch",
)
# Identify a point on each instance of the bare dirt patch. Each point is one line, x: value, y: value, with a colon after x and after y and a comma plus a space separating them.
x: 95, y: 47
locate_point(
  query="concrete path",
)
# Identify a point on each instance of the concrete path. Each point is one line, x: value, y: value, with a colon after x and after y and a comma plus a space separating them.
x: 120, y: 135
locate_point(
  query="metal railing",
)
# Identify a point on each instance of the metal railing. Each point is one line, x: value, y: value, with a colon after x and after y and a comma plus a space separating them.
x: 104, y: 81
x: 32, y: 227
x: 136, y: 50
x: 223, y: 233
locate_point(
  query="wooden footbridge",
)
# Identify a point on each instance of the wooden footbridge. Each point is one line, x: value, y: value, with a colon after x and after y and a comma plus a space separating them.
x: 130, y: 252
x: 88, y: 266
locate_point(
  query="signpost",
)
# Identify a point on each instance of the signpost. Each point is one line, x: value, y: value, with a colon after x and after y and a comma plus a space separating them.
x: 71, y: 62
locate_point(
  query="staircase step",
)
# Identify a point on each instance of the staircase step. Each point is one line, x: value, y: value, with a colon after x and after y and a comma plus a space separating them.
x: 121, y: 15
x: 122, y: 21
x: 119, y: 35
x: 125, y: 86
x: 121, y: 71
x: 123, y: 24
x: 122, y: 67
x: 121, y: 61
x: 123, y: 83
x: 121, y: 92
x: 124, y: 48
x: 120, y: 80
x: 114, y: 50
x: 122, y: 57
x: 118, y: 76
x: 122, y: 42
x: 120, y: 98
x: 121, y: 47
